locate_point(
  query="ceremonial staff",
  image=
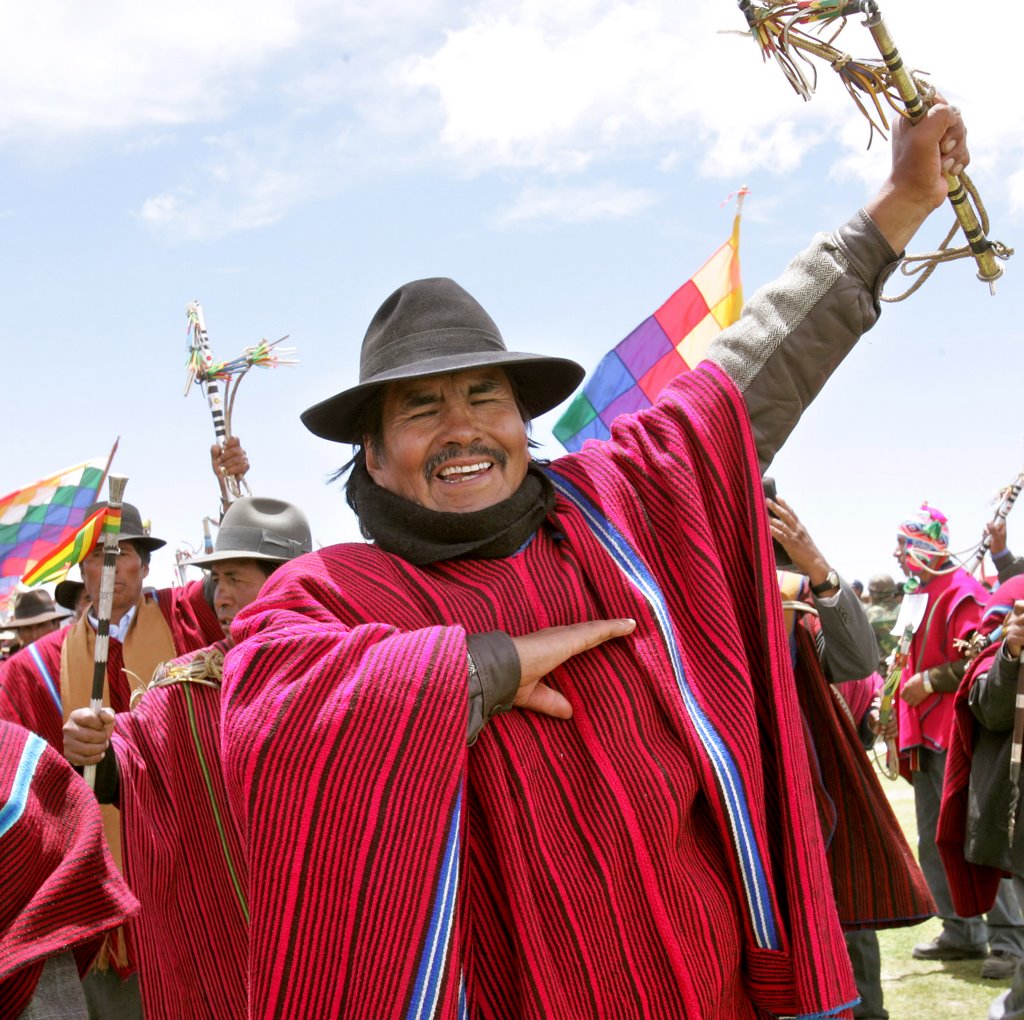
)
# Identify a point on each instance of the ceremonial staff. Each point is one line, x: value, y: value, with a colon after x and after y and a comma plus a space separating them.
x: 1009, y: 497
x: 775, y: 27
x: 201, y: 371
x: 912, y: 611
x: 891, y: 766
x: 111, y: 549
x: 1015, y: 751
x: 988, y: 270
x: 205, y: 372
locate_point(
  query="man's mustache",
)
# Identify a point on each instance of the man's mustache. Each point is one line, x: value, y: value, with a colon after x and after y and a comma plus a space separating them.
x: 478, y: 450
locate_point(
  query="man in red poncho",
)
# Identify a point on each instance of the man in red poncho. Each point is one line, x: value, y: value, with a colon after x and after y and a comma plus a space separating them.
x: 982, y: 788
x: 60, y: 891
x: 41, y: 685
x: 877, y: 882
x: 164, y: 773
x: 935, y: 666
x: 629, y: 829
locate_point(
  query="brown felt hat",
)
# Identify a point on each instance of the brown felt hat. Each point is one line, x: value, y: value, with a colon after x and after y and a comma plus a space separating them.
x: 34, y: 607
x: 433, y: 327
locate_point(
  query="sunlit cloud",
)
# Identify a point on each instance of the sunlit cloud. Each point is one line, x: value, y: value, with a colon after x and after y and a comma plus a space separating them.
x: 577, y: 204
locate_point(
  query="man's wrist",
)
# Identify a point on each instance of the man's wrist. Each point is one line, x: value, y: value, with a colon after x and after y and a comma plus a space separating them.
x: 824, y: 584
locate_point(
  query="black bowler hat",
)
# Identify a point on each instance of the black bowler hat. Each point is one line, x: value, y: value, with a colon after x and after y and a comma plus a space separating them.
x: 433, y: 327
x: 66, y: 593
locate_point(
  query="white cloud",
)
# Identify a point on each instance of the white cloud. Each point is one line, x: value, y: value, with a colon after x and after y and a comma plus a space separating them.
x: 245, y: 187
x: 577, y: 204
x: 521, y: 85
x: 68, y: 68
x: 298, y: 97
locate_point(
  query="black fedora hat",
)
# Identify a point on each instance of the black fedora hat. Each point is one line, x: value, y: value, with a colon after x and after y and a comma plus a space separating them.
x: 132, y: 528
x: 258, y: 528
x: 431, y: 327
x: 66, y: 593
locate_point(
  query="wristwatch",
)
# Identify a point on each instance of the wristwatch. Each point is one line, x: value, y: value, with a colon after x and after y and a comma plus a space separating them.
x: 831, y: 581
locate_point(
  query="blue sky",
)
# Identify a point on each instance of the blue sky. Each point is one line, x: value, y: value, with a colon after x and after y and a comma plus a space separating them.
x: 288, y: 163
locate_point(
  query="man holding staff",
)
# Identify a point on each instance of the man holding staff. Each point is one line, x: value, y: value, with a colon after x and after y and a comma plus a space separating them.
x: 535, y: 752
x: 40, y: 686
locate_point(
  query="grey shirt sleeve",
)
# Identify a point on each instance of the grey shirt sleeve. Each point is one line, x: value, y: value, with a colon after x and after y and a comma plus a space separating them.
x: 493, y: 678
x: 994, y: 694
x: 851, y: 651
x: 1007, y: 566
x: 794, y: 332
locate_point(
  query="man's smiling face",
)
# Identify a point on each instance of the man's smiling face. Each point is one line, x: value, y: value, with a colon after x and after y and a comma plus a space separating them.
x: 454, y: 443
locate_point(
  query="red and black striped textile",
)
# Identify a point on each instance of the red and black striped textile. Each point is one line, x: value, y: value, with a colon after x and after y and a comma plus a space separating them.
x: 973, y: 887
x: 60, y: 889
x: 658, y: 855
x: 30, y: 679
x: 183, y: 855
x: 876, y: 880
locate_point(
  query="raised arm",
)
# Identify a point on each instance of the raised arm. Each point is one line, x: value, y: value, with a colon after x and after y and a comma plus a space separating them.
x: 794, y: 332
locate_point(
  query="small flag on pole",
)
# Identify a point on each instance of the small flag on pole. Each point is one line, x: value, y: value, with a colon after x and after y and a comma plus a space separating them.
x: 40, y: 517
x: 673, y: 340
x: 73, y: 549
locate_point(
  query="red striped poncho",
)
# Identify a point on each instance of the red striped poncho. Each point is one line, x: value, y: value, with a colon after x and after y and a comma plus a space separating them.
x: 658, y: 855
x: 954, y: 610
x: 973, y: 887
x: 59, y: 889
x: 182, y: 855
x: 876, y: 880
x: 30, y: 687
x: 30, y: 680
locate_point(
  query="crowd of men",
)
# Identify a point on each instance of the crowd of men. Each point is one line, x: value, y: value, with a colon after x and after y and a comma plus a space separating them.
x: 565, y: 739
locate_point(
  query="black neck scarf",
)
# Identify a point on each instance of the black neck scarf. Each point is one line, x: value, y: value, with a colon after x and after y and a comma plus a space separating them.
x: 423, y: 536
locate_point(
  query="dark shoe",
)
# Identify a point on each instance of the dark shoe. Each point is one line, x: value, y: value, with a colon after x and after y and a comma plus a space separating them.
x: 999, y: 966
x: 938, y: 949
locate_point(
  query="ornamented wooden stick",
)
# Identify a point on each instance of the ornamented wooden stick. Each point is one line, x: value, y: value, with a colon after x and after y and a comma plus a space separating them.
x: 777, y: 28
x: 111, y: 549
x: 1009, y: 497
x: 1015, y: 751
x: 202, y: 371
x: 917, y: 106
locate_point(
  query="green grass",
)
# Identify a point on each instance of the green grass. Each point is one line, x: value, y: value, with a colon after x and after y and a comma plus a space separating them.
x: 920, y: 989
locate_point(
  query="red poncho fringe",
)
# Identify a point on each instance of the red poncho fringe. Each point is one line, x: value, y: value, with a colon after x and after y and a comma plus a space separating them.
x: 658, y: 855
x: 59, y: 889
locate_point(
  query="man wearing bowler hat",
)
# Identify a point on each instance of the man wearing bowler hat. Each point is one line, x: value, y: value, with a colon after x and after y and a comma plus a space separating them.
x: 40, y: 686
x: 35, y: 615
x: 535, y: 751
x: 163, y: 768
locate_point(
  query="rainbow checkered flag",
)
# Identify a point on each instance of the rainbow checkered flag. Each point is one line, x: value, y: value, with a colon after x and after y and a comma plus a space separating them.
x: 78, y: 544
x: 39, y: 519
x: 673, y: 340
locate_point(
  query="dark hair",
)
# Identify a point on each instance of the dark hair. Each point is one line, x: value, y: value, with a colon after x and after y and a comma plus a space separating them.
x: 143, y: 551
x: 369, y: 422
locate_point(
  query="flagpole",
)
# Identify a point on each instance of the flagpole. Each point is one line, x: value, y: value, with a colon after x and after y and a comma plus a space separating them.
x: 110, y: 460
x: 111, y: 550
